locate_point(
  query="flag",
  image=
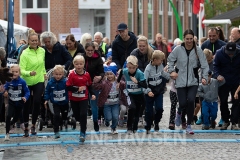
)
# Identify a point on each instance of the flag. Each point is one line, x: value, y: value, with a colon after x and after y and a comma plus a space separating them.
x: 201, y: 14
x: 196, y: 6
x: 11, y: 45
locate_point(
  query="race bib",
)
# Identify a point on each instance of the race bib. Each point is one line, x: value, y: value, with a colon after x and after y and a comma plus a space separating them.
x: 59, y: 95
x: 113, y: 97
x: 15, y: 95
x: 132, y: 87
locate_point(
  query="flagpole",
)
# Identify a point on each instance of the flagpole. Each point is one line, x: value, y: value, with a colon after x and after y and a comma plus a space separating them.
x: 200, y: 29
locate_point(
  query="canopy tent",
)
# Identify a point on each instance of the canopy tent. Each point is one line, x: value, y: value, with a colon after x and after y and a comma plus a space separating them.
x: 20, y: 32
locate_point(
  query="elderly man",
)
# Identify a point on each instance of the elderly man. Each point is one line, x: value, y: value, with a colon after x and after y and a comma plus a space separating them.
x: 235, y: 34
x: 98, y: 37
x: 159, y: 45
x: 123, y: 45
x: 226, y: 66
x: 213, y: 43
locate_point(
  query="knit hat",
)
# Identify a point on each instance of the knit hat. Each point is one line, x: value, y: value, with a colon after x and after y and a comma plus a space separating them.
x: 111, y: 68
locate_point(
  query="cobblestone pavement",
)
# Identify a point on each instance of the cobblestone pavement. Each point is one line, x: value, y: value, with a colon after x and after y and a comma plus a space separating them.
x: 152, y: 149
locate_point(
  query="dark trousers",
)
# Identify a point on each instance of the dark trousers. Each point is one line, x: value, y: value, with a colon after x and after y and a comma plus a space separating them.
x: 174, y: 101
x: 14, y: 111
x: 186, y: 99
x: 63, y: 109
x: 37, y: 91
x: 133, y: 111
x: 150, y: 101
x: 223, y: 94
x: 80, y: 112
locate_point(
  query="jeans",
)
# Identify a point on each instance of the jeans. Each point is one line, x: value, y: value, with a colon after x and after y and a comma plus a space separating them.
x: 150, y: 101
x: 94, y: 106
x: 209, y: 109
x: 63, y: 109
x: 111, y: 113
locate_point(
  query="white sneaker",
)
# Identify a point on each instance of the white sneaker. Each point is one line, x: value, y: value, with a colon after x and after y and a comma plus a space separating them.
x: 7, y: 137
x: 114, y: 131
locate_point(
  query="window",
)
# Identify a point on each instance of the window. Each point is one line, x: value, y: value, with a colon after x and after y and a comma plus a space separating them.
x: 181, y: 9
x: 140, y: 17
x: 160, y: 17
x: 150, y: 19
x: 189, y: 14
x: 35, y: 14
x: 100, y: 21
x: 130, y: 15
x: 170, y: 22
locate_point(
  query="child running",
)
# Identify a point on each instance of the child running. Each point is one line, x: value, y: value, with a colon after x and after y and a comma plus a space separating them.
x: 154, y: 74
x: 17, y: 92
x: 56, y: 92
x: 109, y: 96
x: 79, y: 86
x: 135, y: 81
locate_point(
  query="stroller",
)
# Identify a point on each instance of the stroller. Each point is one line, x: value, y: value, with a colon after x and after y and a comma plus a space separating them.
x: 47, y: 112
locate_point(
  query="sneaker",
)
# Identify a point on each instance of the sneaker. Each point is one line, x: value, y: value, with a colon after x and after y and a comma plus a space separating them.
x: 96, y: 126
x: 33, y: 130
x: 56, y: 135
x: 121, y: 122
x: 107, y: 124
x: 114, y: 131
x: 178, y: 119
x: 129, y: 132
x: 82, y: 137
x: 220, y: 123
x: 12, y: 130
x: 189, y: 130
x: 234, y: 127
x: 213, y: 124
x: 199, y: 121
x: 171, y: 126
x: 22, y: 126
x: 26, y: 133
x: 205, y: 127
x: 156, y: 127
x: 147, y: 131
x: 7, y: 137
x: 225, y: 126
x: 184, y: 125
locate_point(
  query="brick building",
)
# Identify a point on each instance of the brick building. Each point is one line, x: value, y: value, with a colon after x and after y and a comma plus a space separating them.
x: 146, y: 17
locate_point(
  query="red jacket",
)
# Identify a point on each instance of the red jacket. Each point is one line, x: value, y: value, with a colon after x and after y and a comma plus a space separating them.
x: 76, y: 80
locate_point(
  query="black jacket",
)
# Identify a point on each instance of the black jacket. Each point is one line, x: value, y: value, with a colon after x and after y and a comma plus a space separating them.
x: 217, y: 45
x: 120, y: 52
x: 79, y: 47
x: 59, y: 55
x: 142, y: 59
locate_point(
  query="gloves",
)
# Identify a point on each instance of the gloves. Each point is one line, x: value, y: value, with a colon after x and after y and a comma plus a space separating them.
x: 5, y: 75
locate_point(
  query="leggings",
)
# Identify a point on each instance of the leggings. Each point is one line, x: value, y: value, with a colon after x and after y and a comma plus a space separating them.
x: 13, y: 111
x: 63, y: 109
x: 37, y: 91
x: 186, y: 98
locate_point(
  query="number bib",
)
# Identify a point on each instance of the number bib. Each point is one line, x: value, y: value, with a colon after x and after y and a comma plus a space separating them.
x: 59, y: 95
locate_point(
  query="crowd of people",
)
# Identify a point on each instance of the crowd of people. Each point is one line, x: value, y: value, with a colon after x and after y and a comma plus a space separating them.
x: 125, y: 77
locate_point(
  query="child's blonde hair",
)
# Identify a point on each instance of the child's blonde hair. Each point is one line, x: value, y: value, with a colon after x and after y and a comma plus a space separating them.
x: 208, y: 53
x: 15, y: 66
x: 157, y: 54
x: 58, y: 68
x: 133, y: 60
x: 78, y: 58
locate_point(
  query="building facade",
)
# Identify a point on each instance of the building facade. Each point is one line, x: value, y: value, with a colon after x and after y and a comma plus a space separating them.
x: 146, y: 17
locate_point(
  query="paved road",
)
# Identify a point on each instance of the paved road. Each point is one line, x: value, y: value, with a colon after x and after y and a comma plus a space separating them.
x: 123, y: 146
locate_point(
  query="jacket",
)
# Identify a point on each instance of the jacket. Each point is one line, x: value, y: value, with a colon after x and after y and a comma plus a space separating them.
x: 187, y: 66
x: 120, y: 52
x: 79, y: 47
x: 217, y: 45
x: 142, y: 59
x: 164, y: 50
x: 33, y: 60
x: 59, y: 55
x: 210, y: 91
x: 155, y: 78
x: 227, y: 67
x: 17, y: 89
x: 56, y: 91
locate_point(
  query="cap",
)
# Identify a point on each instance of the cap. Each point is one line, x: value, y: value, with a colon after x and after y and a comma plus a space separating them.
x: 122, y: 26
x: 230, y: 48
x: 110, y: 68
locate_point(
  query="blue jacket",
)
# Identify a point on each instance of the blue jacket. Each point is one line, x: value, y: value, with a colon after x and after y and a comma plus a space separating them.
x: 120, y: 52
x: 227, y: 67
x: 56, y: 91
x: 17, y: 89
x: 217, y: 45
x: 59, y: 55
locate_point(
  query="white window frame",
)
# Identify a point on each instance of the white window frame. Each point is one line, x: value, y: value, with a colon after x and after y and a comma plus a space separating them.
x: 130, y: 10
x: 35, y: 10
x: 151, y: 12
x: 190, y: 13
x: 170, y: 13
x: 141, y: 12
x: 160, y: 12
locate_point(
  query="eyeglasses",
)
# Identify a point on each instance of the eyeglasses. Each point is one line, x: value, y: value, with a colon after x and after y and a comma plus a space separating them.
x: 90, y: 50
